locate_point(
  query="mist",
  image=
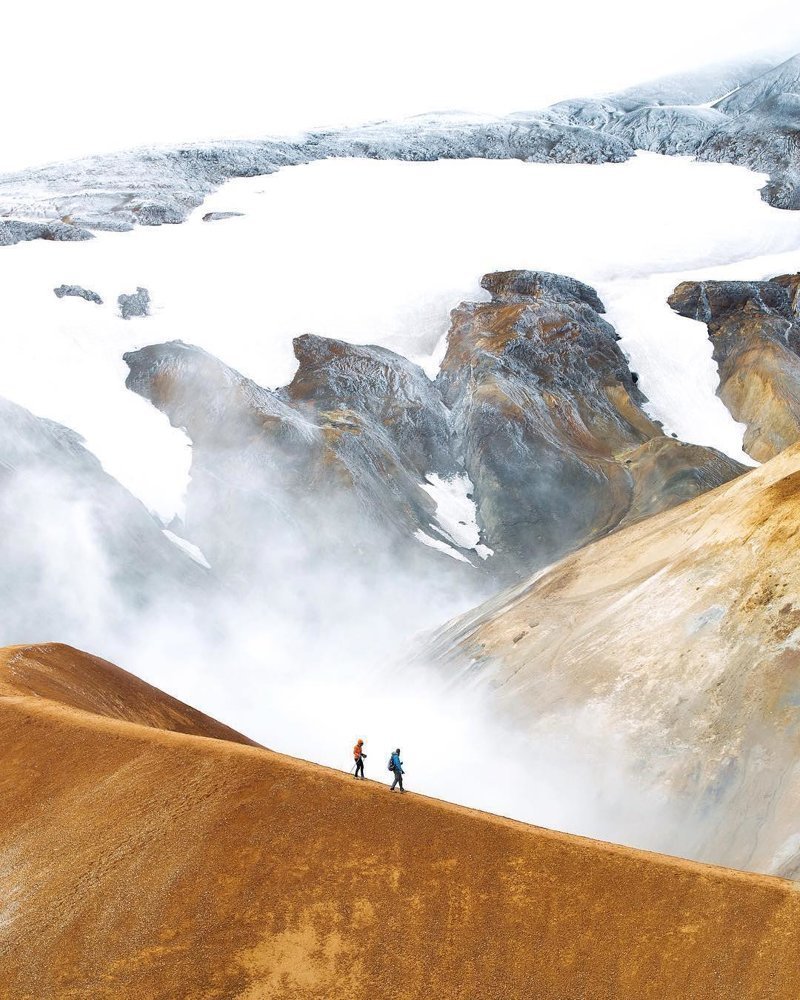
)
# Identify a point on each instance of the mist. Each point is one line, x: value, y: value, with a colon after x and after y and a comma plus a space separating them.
x: 300, y: 642
x: 294, y: 636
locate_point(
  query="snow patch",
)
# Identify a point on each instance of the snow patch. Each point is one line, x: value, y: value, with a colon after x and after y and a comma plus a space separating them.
x: 436, y: 543
x: 189, y: 548
x: 456, y: 512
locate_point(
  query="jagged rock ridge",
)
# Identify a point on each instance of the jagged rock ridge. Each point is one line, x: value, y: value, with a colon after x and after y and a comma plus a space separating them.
x: 756, y: 126
x: 754, y: 327
x: 535, y: 407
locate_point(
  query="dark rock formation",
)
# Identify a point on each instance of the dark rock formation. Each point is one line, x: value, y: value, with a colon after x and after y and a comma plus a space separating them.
x: 78, y: 292
x: 754, y: 327
x: 549, y: 421
x: 535, y: 404
x: 135, y: 304
x: 13, y: 231
x: 218, y: 216
x: 334, y: 462
x: 381, y: 386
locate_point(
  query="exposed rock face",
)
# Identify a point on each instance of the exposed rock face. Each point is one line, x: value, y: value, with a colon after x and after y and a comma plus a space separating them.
x: 157, y: 187
x: 77, y: 292
x: 669, y: 130
x: 13, y: 231
x: 754, y: 327
x: 535, y: 406
x: 242, y: 860
x: 335, y: 461
x: 535, y: 138
x: 135, y: 304
x: 219, y: 216
x: 783, y: 79
x: 766, y: 138
x: 549, y: 421
x: 682, y: 634
x: 382, y: 386
x: 755, y: 126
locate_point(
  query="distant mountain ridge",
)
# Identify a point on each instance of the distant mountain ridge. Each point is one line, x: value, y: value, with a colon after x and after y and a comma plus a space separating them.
x: 754, y: 123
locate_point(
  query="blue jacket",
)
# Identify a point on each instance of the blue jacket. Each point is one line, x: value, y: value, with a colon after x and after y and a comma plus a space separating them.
x: 398, y: 764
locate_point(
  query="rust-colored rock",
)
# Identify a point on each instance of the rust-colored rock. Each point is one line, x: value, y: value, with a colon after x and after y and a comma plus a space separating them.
x: 139, y: 862
x: 754, y: 327
x: 549, y: 419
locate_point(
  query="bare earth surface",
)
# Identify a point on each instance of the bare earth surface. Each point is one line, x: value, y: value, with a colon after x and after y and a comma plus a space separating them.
x: 141, y: 862
x: 682, y: 634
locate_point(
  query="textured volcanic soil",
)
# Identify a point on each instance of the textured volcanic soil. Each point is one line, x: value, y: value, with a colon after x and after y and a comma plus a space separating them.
x: 140, y: 862
x: 682, y: 634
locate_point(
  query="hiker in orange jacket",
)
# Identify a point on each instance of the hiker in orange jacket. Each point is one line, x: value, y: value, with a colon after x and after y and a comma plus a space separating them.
x: 360, y: 757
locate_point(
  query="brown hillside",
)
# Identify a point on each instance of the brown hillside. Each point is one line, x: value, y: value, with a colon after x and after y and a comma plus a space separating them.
x: 80, y: 680
x: 136, y: 862
x: 682, y: 634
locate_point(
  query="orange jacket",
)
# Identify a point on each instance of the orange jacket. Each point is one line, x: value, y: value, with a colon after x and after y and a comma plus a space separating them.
x: 357, y: 750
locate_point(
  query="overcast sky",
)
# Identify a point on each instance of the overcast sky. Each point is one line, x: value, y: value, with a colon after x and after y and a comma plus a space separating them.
x: 90, y: 75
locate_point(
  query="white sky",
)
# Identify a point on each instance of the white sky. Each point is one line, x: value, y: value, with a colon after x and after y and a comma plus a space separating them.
x: 90, y: 75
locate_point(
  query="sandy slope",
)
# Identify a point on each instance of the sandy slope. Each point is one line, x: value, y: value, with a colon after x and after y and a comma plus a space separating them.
x: 139, y: 862
x: 682, y: 635
x: 79, y: 680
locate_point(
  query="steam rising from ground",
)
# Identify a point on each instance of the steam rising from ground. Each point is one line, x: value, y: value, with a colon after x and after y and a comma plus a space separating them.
x: 307, y: 653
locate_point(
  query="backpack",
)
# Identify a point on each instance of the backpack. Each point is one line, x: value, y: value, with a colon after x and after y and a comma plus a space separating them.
x: 391, y: 762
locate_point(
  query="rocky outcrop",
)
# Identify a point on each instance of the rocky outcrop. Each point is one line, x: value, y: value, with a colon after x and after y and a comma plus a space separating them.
x: 72, y: 540
x: 14, y: 231
x: 219, y: 216
x: 336, y: 461
x: 673, y: 131
x: 135, y: 304
x: 782, y: 79
x: 157, y: 187
x: 535, y: 417
x: 681, y: 634
x: 78, y: 292
x: 754, y: 327
x: 238, y: 863
x: 549, y: 421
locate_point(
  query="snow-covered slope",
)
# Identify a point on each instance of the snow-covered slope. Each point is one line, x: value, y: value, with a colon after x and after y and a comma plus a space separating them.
x: 376, y: 252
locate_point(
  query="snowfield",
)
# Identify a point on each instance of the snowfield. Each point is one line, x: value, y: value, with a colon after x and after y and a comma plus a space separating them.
x: 379, y: 252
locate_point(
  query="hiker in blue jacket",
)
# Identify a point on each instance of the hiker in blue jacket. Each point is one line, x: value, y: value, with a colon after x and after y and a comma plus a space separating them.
x: 396, y: 765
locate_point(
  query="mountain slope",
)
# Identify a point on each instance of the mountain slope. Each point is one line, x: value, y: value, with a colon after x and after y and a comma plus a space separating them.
x: 155, y: 864
x: 58, y: 673
x: 60, y: 509
x: 755, y: 126
x: 680, y: 638
x: 535, y: 420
